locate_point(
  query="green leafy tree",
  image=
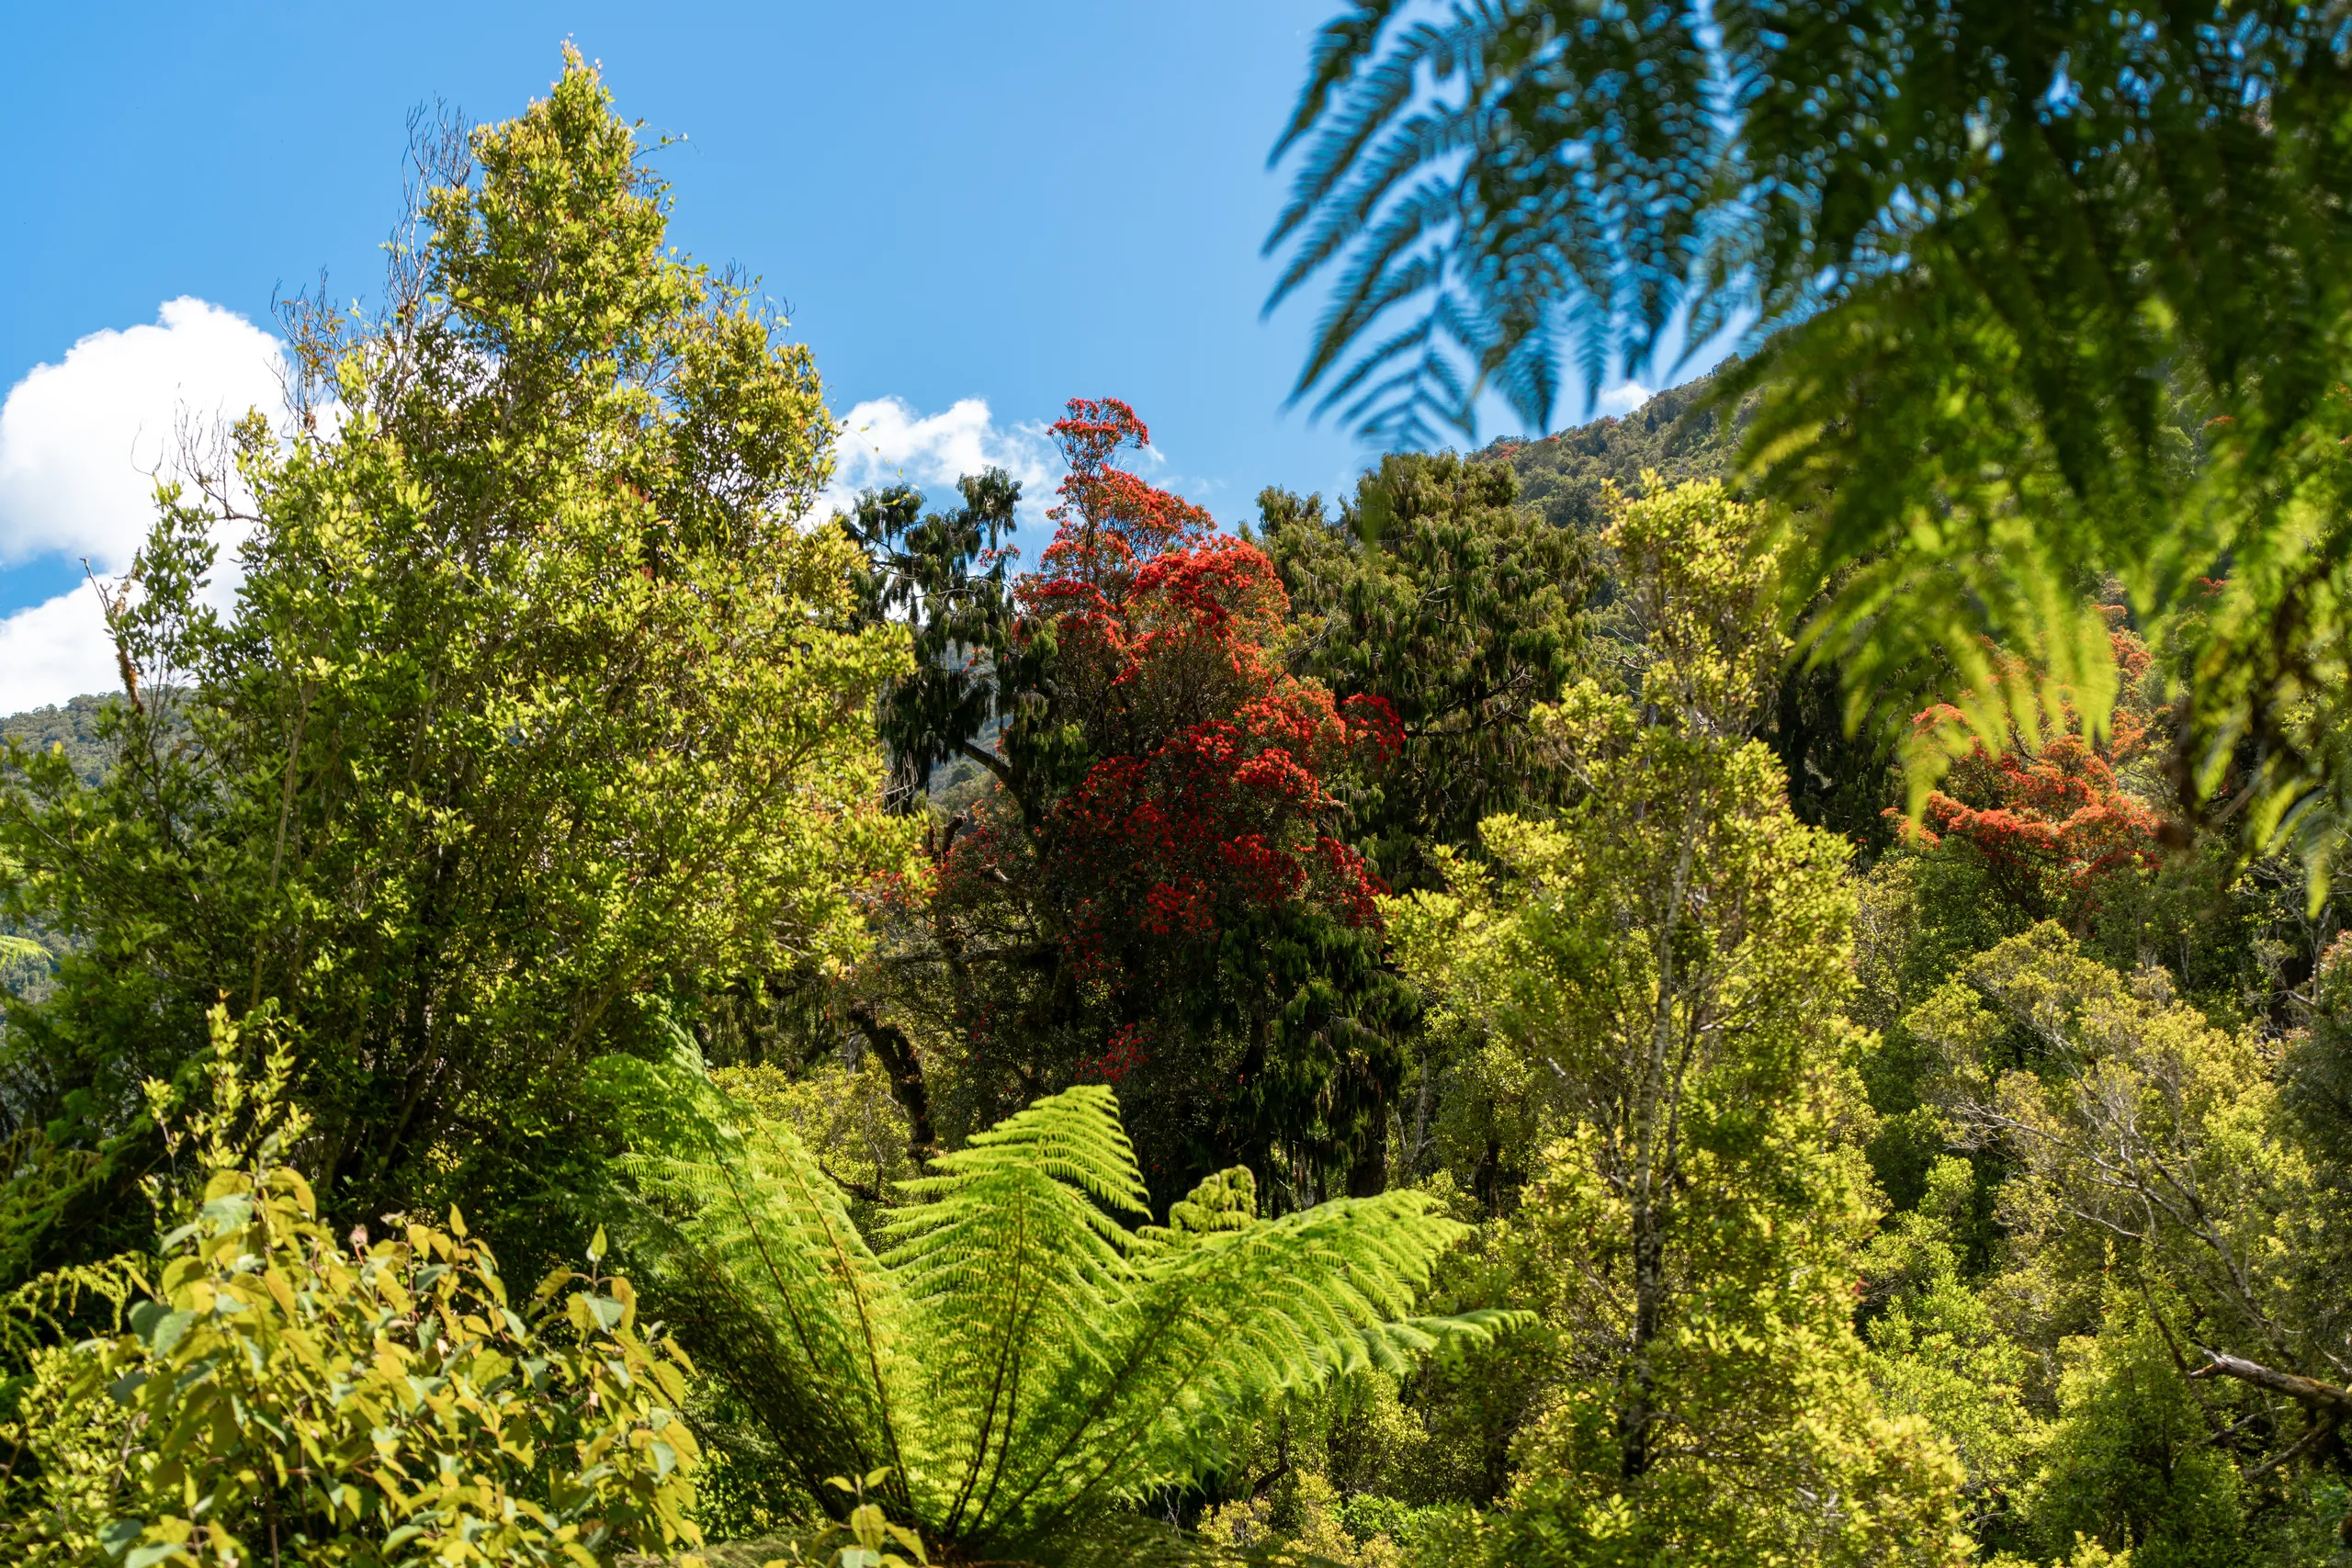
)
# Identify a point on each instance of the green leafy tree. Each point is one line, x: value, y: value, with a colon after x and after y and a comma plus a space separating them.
x: 1938, y: 1350
x: 1665, y: 956
x: 72, y: 729
x: 1022, y: 1367
x: 2148, y: 1145
x: 2038, y: 295
x: 1434, y: 591
x: 2315, y: 1079
x: 537, y: 695
x: 2132, y: 1463
x: 1839, y: 778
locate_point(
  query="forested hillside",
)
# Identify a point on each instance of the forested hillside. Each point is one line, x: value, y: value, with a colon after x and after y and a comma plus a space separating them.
x: 74, y: 729
x: 1411, y: 1028
x: 1675, y: 435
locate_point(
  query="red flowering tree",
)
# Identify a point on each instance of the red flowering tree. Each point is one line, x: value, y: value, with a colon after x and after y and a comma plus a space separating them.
x: 1157, y: 892
x: 2050, y: 823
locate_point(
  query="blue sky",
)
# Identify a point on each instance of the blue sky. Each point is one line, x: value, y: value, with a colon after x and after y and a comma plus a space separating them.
x: 1003, y: 204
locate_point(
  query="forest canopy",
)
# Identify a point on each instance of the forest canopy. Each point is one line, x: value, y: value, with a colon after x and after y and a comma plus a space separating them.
x: 1422, y: 1026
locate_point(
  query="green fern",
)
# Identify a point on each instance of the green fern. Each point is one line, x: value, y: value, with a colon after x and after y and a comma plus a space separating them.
x: 2042, y: 299
x: 1026, y: 1357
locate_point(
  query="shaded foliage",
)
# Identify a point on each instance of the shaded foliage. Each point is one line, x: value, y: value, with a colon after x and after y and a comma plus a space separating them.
x: 1435, y: 594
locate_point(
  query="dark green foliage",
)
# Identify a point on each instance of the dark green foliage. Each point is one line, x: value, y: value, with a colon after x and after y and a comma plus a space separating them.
x: 25, y: 966
x: 2315, y: 1080
x: 946, y: 577
x: 1436, y: 590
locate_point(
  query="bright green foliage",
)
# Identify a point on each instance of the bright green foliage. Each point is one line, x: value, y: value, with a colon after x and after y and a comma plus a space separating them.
x: 1937, y: 1351
x: 274, y: 1397
x: 868, y: 1539
x: 2164, y: 1228
x: 844, y: 1116
x: 1836, y: 778
x: 1303, y: 1522
x: 2132, y: 1462
x: 24, y: 964
x: 1024, y: 1365
x: 1665, y: 958
x: 2129, y: 1119
x: 2045, y: 293
x: 1437, y: 592
x: 537, y: 693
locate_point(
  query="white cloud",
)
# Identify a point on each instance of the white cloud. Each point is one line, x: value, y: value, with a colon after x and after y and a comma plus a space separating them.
x: 1624, y: 398
x: 54, y: 651
x: 885, y: 441
x: 80, y: 443
x: 80, y: 440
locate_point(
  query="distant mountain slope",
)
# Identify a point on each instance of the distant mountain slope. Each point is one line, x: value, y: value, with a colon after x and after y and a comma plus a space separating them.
x: 1564, y: 474
x: 74, y: 726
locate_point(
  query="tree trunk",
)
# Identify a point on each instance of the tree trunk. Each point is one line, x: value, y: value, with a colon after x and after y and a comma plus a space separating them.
x: 1368, y: 1172
x: 907, y: 1083
x: 1635, y: 1416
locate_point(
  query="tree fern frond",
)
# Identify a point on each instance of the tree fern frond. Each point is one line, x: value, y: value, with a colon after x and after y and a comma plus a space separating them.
x: 768, y: 1279
x: 1007, y: 1258
x: 1381, y: 92
x: 1353, y: 220
x: 1030, y: 1364
x: 1222, y: 1320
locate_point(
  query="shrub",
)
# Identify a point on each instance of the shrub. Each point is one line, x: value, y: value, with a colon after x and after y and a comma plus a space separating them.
x: 269, y: 1394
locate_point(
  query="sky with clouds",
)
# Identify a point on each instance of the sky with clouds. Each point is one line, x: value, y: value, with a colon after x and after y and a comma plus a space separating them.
x: 971, y: 212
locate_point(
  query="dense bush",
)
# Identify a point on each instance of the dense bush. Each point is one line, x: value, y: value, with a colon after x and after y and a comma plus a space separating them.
x: 268, y: 1393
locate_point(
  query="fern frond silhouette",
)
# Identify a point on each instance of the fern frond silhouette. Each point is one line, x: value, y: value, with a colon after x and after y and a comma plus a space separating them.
x: 1026, y: 1354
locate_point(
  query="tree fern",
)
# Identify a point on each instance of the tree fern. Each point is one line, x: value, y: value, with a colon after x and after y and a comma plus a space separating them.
x: 2043, y: 296
x: 758, y: 1252
x: 1026, y: 1354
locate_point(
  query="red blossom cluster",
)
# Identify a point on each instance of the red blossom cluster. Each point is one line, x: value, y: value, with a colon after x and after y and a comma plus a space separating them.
x: 1125, y: 1051
x: 1169, y: 819
x: 1109, y: 520
x: 2050, y: 821
x: 1374, y: 718
x: 1213, y: 800
x: 1222, y: 817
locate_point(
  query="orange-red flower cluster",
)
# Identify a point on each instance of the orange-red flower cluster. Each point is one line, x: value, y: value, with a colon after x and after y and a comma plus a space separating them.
x: 1109, y: 520
x: 1213, y: 800
x: 2051, y: 822
x: 1126, y: 1050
